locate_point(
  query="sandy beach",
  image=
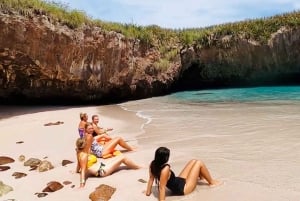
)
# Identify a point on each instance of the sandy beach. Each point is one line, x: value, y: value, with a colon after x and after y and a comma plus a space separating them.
x: 56, y: 143
x: 246, y: 177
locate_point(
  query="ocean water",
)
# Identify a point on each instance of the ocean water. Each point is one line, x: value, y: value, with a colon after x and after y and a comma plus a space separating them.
x: 249, y: 137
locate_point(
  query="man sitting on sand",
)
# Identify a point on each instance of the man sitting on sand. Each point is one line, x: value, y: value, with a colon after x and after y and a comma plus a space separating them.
x: 99, y: 133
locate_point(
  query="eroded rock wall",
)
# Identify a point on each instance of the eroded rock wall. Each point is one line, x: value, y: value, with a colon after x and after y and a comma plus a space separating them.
x: 44, y: 61
x: 236, y: 61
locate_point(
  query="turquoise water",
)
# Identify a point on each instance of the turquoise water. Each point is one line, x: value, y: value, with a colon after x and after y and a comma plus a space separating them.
x: 282, y: 93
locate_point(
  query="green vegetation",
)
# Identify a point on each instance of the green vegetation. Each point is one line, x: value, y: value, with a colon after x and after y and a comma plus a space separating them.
x: 258, y: 29
x: 167, y: 41
x: 58, y: 11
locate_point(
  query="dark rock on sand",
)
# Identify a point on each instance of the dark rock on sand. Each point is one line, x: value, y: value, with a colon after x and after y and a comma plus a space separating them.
x: 19, y: 142
x: 32, y: 162
x: 55, y: 123
x: 53, y: 186
x: 45, y: 166
x: 66, y: 162
x: 19, y: 175
x: 4, y: 189
x: 40, y: 195
x: 102, y: 192
x: 3, y: 168
x: 67, y: 182
x: 142, y: 180
x: 4, y: 160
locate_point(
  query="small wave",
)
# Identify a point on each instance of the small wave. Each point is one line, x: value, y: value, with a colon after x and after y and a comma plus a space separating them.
x: 140, y: 115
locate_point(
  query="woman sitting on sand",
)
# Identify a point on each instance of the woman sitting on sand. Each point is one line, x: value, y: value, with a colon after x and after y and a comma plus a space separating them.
x: 184, y: 184
x: 107, y: 148
x: 82, y: 123
x: 87, y: 164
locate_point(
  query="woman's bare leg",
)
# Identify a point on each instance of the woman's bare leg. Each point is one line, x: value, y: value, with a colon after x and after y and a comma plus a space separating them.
x: 130, y: 164
x: 112, y: 144
x: 186, y: 170
x: 114, y: 164
x: 191, y: 173
x: 198, y: 170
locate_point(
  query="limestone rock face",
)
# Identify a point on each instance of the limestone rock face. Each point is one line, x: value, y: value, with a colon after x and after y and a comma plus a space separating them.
x: 235, y: 60
x: 43, y: 60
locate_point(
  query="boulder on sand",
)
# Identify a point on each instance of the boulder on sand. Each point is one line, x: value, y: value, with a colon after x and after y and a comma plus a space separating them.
x: 53, y: 186
x: 45, y: 166
x: 4, y: 189
x: 32, y: 162
x: 5, y: 159
x: 102, y: 192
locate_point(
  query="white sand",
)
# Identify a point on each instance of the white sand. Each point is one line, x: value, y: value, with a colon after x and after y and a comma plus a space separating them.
x: 57, y: 143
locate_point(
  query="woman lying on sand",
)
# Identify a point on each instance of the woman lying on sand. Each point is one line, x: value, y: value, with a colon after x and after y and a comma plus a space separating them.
x: 108, y: 147
x: 184, y: 184
x: 87, y: 164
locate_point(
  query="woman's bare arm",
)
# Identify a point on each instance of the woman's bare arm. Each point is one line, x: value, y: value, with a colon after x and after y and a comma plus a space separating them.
x: 164, y: 176
x: 150, y: 183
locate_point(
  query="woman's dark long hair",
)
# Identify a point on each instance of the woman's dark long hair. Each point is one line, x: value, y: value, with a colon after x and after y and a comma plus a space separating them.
x: 161, y: 157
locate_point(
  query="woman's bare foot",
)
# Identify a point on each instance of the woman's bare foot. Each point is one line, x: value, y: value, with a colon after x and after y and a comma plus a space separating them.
x: 215, y: 183
x: 133, y: 148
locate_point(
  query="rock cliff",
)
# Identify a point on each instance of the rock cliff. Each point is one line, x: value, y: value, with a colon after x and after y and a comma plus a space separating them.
x: 235, y: 61
x: 44, y: 61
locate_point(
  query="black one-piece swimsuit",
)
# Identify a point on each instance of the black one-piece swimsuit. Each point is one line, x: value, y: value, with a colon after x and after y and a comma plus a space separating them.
x: 176, y: 184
